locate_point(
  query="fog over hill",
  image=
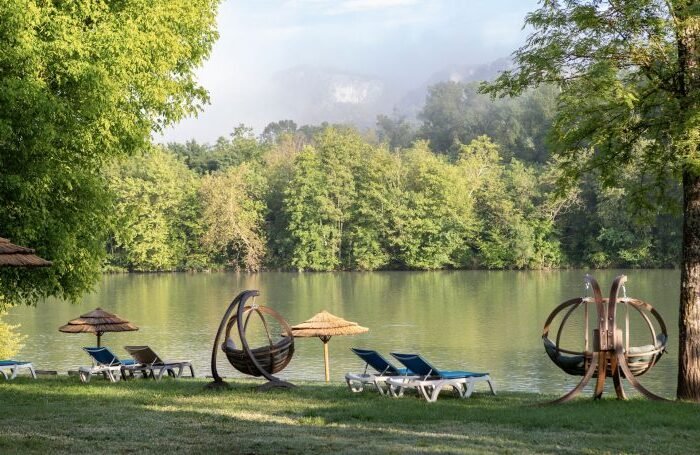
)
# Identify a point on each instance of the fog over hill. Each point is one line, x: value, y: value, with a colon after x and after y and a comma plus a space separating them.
x: 311, y: 95
x: 343, y: 60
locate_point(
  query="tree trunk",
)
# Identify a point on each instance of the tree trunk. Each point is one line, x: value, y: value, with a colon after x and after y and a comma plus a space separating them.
x: 689, y: 317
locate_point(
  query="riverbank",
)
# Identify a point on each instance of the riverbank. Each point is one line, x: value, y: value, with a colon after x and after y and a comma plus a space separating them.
x: 61, y: 415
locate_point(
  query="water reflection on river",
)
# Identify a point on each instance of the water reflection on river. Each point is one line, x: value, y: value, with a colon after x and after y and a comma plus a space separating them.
x: 479, y: 320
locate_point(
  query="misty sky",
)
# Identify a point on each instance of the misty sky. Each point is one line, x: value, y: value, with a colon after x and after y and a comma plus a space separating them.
x: 403, y: 42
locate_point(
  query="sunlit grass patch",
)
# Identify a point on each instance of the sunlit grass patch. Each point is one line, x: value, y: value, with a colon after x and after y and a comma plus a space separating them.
x: 62, y: 415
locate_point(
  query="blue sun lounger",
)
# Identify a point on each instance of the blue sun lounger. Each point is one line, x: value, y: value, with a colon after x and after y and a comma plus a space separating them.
x: 105, y: 362
x: 13, y: 366
x: 430, y: 380
x: 384, y: 370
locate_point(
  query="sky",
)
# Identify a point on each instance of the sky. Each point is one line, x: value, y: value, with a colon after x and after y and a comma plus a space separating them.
x: 401, y: 42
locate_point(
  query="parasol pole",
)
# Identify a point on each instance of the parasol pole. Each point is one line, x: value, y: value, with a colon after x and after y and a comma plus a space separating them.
x: 99, y: 335
x: 326, y: 359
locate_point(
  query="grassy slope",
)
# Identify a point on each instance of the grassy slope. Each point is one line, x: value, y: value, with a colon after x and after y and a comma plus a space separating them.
x: 63, y: 415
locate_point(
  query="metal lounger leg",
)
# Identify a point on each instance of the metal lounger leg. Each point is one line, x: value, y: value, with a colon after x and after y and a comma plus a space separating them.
x: 469, y: 389
x: 432, y: 397
x: 395, y: 391
x: 84, y: 376
x: 355, y: 385
x: 382, y: 386
x: 492, y: 386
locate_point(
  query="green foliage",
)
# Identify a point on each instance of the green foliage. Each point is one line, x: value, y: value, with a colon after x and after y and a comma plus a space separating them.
x: 605, y: 230
x: 81, y: 83
x: 153, y: 220
x: 319, y: 198
x: 233, y: 215
x: 626, y: 89
x: 242, y: 147
x: 275, y: 131
x: 628, y: 107
x: 378, y: 191
x: 10, y: 340
x: 312, y: 220
x: 396, y: 131
x: 515, y: 229
x: 338, y: 202
x: 425, y: 228
x: 455, y: 113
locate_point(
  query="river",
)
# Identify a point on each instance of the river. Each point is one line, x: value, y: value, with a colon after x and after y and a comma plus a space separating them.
x: 476, y: 320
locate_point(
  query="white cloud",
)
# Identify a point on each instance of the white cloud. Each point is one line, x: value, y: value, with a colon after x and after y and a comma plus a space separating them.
x: 339, y: 7
x: 359, y: 6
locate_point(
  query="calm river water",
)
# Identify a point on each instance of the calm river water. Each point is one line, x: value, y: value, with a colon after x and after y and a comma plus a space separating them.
x: 477, y: 320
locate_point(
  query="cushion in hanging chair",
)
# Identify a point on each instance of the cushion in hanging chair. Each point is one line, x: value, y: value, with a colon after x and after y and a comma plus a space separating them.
x: 572, y: 364
x: 634, y: 351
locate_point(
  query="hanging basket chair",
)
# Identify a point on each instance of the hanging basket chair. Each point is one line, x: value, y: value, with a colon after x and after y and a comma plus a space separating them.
x: 272, y: 358
x: 640, y: 359
x: 265, y: 360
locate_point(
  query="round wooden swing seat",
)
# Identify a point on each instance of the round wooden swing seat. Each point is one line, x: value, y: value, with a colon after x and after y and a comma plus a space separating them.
x: 266, y: 360
x: 609, y: 354
x: 639, y: 358
x: 272, y: 359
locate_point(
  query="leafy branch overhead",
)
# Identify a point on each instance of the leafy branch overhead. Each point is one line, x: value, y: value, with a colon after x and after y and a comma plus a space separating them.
x: 83, y: 83
x: 623, y: 94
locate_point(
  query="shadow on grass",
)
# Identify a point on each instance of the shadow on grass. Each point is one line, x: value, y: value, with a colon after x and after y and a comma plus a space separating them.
x: 63, y: 415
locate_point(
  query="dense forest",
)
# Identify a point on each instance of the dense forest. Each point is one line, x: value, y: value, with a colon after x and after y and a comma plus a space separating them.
x: 469, y: 185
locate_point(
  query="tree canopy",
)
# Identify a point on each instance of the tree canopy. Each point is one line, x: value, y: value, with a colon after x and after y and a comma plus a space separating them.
x: 629, y: 75
x: 81, y: 83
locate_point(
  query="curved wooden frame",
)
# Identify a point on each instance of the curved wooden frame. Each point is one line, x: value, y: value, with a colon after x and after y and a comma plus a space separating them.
x: 241, y: 319
x: 608, y: 356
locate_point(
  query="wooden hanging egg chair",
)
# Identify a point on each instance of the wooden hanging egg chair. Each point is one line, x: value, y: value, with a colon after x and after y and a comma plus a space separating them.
x: 610, y: 347
x: 260, y: 361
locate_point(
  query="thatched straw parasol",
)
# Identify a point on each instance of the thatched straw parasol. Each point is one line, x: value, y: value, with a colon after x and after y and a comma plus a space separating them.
x: 12, y: 255
x: 325, y: 325
x: 98, y: 321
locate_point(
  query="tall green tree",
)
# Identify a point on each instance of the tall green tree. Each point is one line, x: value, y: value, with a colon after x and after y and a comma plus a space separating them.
x: 153, y: 222
x: 233, y: 216
x: 455, y: 113
x: 629, y: 74
x: 378, y: 190
x: 311, y: 217
x: 320, y: 196
x: 242, y: 147
x: 275, y: 131
x: 396, y: 131
x: 425, y: 225
x: 82, y: 82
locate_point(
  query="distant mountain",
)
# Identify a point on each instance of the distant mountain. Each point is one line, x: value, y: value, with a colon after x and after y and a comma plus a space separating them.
x: 314, y: 95
x: 311, y: 95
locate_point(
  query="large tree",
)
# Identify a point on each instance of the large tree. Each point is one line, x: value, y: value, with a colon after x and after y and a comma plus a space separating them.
x: 629, y: 75
x: 82, y: 82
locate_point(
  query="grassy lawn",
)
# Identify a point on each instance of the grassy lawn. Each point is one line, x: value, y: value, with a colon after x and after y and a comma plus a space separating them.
x: 62, y: 415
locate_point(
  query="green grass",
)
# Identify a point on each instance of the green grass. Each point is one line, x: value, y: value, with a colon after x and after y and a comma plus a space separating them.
x: 62, y: 415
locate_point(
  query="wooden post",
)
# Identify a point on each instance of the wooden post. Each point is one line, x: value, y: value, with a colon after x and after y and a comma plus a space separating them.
x: 326, y: 360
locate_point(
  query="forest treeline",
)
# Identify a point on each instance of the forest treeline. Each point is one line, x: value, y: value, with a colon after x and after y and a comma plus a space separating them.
x: 470, y: 185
